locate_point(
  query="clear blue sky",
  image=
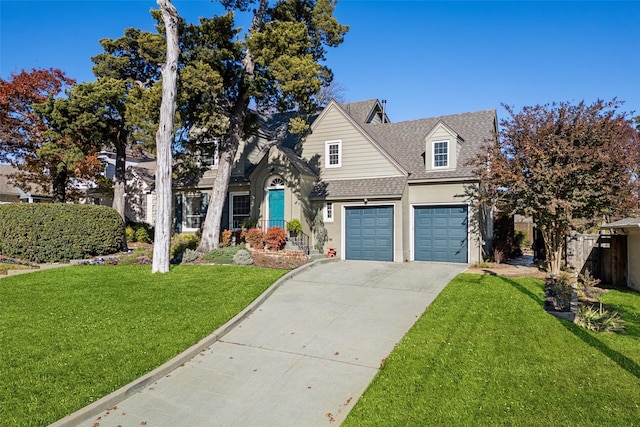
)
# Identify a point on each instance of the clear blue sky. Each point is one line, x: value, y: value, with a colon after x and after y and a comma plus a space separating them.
x: 425, y: 58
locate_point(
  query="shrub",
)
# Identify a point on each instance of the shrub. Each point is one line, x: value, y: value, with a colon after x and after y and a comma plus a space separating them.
x: 600, y: 319
x: 51, y: 232
x: 587, y: 285
x: 189, y: 255
x: 140, y: 255
x: 255, y: 237
x: 130, y: 233
x: 180, y: 242
x: 242, y: 257
x: 143, y: 235
x: 225, y: 238
x: 522, y: 239
x: 294, y: 226
x: 320, y: 232
x: 558, y: 293
x: 222, y: 255
x: 275, y: 238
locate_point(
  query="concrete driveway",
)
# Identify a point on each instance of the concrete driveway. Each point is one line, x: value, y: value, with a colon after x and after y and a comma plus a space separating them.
x: 302, y: 357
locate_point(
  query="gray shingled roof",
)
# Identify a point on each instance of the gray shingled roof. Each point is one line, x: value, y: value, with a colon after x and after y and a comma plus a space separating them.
x: 360, y: 110
x: 372, y: 187
x: 296, y: 161
x: 405, y: 141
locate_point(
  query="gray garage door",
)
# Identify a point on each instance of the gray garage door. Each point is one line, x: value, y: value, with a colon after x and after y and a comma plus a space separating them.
x: 369, y: 233
x: 440, y: 233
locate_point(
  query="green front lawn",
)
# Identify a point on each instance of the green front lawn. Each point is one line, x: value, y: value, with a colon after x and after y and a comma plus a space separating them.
x: 486, y: 353
x: 69, y: 336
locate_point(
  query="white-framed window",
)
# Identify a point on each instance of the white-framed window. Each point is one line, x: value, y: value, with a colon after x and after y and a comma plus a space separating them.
x: 209, y: 155
x: 210, y: 160
x: 328, y: 212
x: 440, y: 154
x: 240, y: 209
x: 192, y: 211
x: 333, y: 154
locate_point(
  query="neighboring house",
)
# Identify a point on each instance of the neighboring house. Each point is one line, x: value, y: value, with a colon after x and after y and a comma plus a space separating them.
x: 630, y: 227
x: 386, y: 191
x: 11, y: 194
x: 140, y: 197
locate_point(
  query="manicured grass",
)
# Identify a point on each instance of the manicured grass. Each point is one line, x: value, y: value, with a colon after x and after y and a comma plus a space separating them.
x: 486, y: 353
x: 72, y: 335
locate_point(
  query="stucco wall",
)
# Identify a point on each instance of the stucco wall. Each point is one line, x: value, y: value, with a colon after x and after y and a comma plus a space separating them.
x: 297, y: 188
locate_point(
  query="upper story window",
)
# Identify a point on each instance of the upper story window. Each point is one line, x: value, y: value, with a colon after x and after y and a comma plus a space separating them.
x: 441, y: 154
x: 333, y: 154
x: 209, y: 155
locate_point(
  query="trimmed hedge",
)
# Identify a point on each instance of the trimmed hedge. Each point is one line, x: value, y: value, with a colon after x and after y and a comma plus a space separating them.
x: 51, y: 232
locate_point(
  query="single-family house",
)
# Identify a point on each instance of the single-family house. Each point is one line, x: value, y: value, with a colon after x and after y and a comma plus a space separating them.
x: 140, y: 196
x: 9, y: 193
x: 384, y: 191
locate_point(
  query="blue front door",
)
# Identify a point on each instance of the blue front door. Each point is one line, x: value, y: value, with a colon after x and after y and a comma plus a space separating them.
x: 276, y: 208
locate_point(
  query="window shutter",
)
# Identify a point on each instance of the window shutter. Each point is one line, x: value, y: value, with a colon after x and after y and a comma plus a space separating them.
x: 178, y: 213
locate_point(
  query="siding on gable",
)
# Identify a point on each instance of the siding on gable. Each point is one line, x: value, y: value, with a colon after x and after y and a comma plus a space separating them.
x: 441, y: 134
x: 360, y: 158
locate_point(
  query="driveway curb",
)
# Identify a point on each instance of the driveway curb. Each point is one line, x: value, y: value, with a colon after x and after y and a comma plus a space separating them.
x: 112, y: 399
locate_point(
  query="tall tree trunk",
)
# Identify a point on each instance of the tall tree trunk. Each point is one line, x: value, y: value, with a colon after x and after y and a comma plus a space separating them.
x: 164, y: 138
x: 59, y: 187
x: 119, y: 180
x: 229, y: 147
x: 554, y: 240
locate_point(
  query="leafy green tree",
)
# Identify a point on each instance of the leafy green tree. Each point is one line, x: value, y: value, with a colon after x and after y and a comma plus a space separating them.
x: 276, y: 66
x: 37, y: 137
x: 126, y: 97
x: 560, y: 163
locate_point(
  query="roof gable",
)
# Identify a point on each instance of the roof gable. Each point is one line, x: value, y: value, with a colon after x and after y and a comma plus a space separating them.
x: 336, y: 124
x: 405, y: 141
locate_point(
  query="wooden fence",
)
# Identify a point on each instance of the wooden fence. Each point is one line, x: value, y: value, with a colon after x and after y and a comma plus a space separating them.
x: 603, y: 255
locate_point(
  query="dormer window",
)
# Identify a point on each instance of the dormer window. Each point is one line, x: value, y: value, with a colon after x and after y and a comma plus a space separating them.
x: 333, y: 154
x: 440, y: 154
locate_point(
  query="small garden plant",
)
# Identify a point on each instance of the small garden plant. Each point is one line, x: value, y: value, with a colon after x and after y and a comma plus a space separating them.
x: 558, y: 293
x: 222, y: 255
x: 600, y: 319
x: 275, y: 238
x: 255, y: 238
x: 294, y: 226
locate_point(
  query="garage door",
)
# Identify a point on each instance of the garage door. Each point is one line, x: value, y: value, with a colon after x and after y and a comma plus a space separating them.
x: 440, y: 233
x: 369, y: 233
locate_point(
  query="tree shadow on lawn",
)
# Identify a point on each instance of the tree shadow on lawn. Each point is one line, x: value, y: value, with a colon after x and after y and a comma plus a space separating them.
x: 623, y: 361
